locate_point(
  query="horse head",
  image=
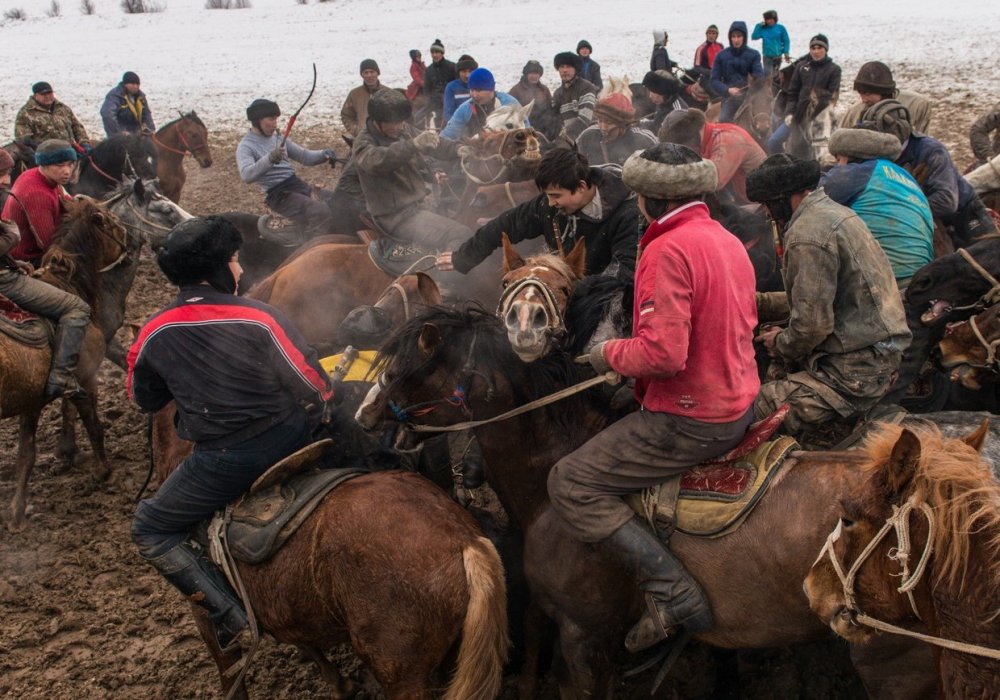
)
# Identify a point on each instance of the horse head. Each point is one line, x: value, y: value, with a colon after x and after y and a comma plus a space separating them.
x: 90, y: 240
x: 618, y: 86
x: 193, y: 136
x: 146, y: 213
x: 509, y: 117
x: 536, y: 294
x: 949, y: 288
x: 759, y: 103
x: 495, y: 152
x: 968, y: 349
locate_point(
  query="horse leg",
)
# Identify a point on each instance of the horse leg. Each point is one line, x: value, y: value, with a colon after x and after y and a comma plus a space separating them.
x: 342, y: 688
x: 223, y: 661
x: 535, y: 631
x: 87, y: 406
x: 24, y: 464
x: 66, y: 446
x: 587, y: 672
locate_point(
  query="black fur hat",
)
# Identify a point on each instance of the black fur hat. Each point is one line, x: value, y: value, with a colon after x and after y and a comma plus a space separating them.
x: 199, y: 250
x: 781, y: 175
x: 389, y: 106
x: 662, y: 83
x: 366, y: 327
x: 261, y: 108
x: 568, y: 58
x: 683, y: 126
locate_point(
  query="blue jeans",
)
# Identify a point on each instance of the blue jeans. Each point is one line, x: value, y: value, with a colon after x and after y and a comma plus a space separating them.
x: 730, y: 105
x: 208, y: 480
x: 776, y: 144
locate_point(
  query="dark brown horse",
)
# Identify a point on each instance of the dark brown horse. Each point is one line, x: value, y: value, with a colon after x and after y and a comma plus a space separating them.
x: 918, y: 546
x: 753, y: 576
x: 89, y: 241
x: 174, y: 140
x: 754, y: 115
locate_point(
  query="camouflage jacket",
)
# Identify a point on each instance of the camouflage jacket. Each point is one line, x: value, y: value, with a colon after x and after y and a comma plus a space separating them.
x: 41, y: 123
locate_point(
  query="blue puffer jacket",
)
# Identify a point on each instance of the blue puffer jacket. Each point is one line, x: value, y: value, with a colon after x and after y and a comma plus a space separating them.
x: 732, y: 65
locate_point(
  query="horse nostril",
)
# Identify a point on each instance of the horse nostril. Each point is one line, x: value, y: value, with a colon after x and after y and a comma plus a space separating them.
x: 540, y: 319
x: 511, y: 319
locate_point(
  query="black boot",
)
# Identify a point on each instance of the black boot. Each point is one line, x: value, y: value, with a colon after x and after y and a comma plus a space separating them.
x: 201, y: 582
x: 472, y: 465
x: 673, y: 598
x: 62, y: 375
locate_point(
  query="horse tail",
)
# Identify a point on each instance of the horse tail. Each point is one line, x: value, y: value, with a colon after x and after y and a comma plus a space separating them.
x: 483, y: 650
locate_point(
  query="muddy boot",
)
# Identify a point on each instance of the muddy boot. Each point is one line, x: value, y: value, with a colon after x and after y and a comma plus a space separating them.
x: 62, y: 376
x: 472, y: 465
x: 201, y: 582
x: 673, y: 598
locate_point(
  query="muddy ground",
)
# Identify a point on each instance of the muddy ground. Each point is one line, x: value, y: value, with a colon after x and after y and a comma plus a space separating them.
x: 82, y: 617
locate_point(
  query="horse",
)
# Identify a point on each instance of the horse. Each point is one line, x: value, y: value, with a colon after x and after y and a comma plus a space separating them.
x: 174, y: 140
x: 943, y: 502
x: 968, y: 350
x: 89, y: 241
x: 754, y: 115
x: 22, y: 151
x: 813, y: 124
x: 113, y: 160
x: 753, y: 576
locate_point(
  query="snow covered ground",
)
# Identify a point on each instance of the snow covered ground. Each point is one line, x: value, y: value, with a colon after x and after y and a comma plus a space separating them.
x: 217, y: 61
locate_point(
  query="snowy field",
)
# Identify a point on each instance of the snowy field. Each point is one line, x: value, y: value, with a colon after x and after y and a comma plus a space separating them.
x: 217, y: 61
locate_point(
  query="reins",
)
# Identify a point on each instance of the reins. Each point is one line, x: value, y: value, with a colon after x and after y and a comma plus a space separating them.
x: 180, y: 135
x: 992, y: 296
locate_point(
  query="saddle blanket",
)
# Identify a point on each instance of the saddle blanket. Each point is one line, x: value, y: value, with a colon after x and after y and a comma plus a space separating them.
x: 23, y: 326
x: 357, y: 371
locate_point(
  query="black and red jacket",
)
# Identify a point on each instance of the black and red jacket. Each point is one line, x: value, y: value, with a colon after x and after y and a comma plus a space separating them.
x: 235, y: 367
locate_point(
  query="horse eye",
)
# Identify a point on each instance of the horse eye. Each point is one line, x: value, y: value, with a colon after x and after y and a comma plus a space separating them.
x: 846, y: 522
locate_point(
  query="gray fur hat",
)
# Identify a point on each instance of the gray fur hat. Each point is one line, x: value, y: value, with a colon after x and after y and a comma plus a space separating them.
x: 781, y: 175
x: 864, y: 144
x: 669, y: 171
x: 683, y: 126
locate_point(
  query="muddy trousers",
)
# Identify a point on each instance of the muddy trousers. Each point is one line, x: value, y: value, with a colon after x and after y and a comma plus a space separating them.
x: 292, y: 199
x: 204, y: 482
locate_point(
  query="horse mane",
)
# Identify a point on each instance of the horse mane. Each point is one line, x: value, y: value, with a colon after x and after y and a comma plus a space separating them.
x: 961, y: 489
x: 191, y: 116
x: 71, y: 257
x: 109, y: 154
x: 590, y: 305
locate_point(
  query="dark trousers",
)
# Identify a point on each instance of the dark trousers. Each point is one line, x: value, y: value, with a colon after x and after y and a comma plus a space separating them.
x: 730, y: 105
x: 207, y: 481
x: 970, y: 223
x: 292, y: 200
x: 42, y: 298
x: 640, y: 450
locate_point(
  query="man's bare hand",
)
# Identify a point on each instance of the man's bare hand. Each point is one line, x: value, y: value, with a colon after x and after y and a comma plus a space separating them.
x: 767, y: 338
x: 735, y: 91
x: 25, y: 268
x: 443, y: 262
x: 440, y: 177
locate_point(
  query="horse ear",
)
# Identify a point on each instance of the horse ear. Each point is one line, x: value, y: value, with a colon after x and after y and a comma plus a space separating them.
x: 428, y: 289
x: 511, y: 258
x: 977, y: 437
x: 577, y: 258
x: 902, y: 463
x: 181, y: 113
x: 430, y: 338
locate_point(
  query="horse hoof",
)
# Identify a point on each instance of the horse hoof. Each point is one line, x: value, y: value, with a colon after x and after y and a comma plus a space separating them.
x: 105, y: 474
x: 16, y: 523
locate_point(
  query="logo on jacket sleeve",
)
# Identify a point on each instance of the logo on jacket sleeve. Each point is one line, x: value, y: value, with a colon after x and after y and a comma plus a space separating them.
x: 646, y: 307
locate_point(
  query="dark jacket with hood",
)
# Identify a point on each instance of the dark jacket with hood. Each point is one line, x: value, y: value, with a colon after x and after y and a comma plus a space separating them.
x: 931, y: 165
x: 732, y: 65
x: 812, y: 75
x: 436, y: 79
x: 612, y: 238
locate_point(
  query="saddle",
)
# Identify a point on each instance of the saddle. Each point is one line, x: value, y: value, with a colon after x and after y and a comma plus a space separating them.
x: 396, y: 259
x: 713, y: 498
x: 24, y: 326
x: 357, y: 369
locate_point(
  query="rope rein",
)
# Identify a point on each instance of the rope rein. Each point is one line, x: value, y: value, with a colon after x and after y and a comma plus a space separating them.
x: 992, y: 296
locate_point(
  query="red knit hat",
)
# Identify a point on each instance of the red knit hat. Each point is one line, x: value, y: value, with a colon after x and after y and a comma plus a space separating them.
x: 616, y: 108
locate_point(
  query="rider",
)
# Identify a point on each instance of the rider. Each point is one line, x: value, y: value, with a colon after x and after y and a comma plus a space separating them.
x: 249, y: 396
x: 574, y: 100
x: 126, y: 108
x: 355, y: 109
x: 439, y: 73
x: 659, y: 59
x: 732, y: 70
x: 665, y: 91
x: 263, y: 157
x: 691, y: 353
x: 846, y: 328
x: 40, y: 192
x: 577, y: 202
x: 873, y: 84
x: 470, y: 117
x: 817, y: 73
x: 979, y: 135
x: 730, y: 147
x: 776, y: 44
x: 44, y: 117
x: 456, y: 92
x: 530, y: 87
x: 616, y: 135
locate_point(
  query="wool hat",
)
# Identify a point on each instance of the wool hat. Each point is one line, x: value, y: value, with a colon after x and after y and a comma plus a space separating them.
x: 130, y: 78
x: 41, y: 88
x: 781, y: 175
x: 369, y: 64
x: 821, y: 40
x: 482, y: 79
x: 660, y: 37
x: 615, y: 108
x: 389, y: 106
x: 53, y: 151
x: 365, y: 327
x: 6, y: 161
x: 568, y: 58
x: 662, y: 83
x: 584, y: 44
x: 414, y: 53
x: 437, y: 45
x: 889, y: 117
x: 875, y: 77
x: 532, y: 66
x: 466, y: 62
x: 200, y: 249
x: 669, y: 171
x: 771, y: 14
x: 684, y: 127
x: 864, y: 144
x: 712, y: 28
x: 261, y: 108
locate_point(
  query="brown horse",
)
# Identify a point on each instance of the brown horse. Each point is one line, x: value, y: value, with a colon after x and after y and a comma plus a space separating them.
x: 753, y: 576
x: 89, y: 241
x: 754, y: 115
x: 489, y: 201
x: 943, y: 502
x: 969, y: 349
x: 174, y: 140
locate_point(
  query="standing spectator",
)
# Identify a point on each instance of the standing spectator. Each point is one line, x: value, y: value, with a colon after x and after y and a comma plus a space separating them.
x: 615, y: 136
x: 660, y: 59
x: 416, y: 87
x: 819, y: 72
x: 530, y: 87
x: 470, y: 117
x: 873, y: 84
x: 704, y: 55
x: 664, y: 91
x: 439, y: 73
x: 732, y: 70
x: 591, y: 69
x: 456, y: 92
x: 979, y: 135
x: 776, y: 44
x: 575, y: 99
x: 44, y: 117
x: 355, y: 109
x: 126, y: 109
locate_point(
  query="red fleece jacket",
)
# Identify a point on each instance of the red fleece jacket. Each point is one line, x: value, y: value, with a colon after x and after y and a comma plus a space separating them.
x: 735, y: 155
x: 42, y: 199
x: 692, y: 346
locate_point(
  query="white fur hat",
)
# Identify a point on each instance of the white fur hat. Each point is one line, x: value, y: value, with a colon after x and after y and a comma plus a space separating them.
x: 669, y: 171
x: 864, y: 144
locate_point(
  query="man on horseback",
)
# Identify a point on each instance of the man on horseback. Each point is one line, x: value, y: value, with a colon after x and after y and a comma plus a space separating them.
x: 875, y: 83
x: 249, y: 392
x: 263, y: 157
x: 39, y: 195
x: 820, y: 73
x: 126, y: 108
x: 732, y: 70
x: 665, y: 91
x: 439, y: 73
x: 616, y: 135
x: 577, y: 202
x: 979, y: 135
x: 470, y: 117
x: 44, y: 117
x: 691, y: 353
x: 574, y: 100
x: 846, y: 327
x: 774, y: 42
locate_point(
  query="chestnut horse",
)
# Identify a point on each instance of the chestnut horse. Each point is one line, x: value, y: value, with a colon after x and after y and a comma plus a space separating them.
x: 938, y: 571
x: 969, y: 349
x: 174, y: 140
x: 753, y: 577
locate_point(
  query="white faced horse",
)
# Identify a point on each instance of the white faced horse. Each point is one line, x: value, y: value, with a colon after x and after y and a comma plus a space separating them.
x: 509, y: 118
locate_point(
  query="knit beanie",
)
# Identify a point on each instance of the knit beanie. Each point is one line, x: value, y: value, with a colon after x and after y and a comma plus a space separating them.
x: 781, y: 175
x: 41, y: 88
x: 482, y: 79
x: 568, y: 58
x: 875, y: 77
x: 130, y: 78
x: 771, y: 14
x: 712, y: 28
x: 669, y: 171
x: 584, y: 44
x: 261, y: 108
x: 437, y: 46
x: 6, y: 162
x: 414, y: 53
x: 615, y: 108
x: 532, y: 66
x: 369, y: 64
x: 55, y: 151
x: 821, y: 40
x: 466, y: 62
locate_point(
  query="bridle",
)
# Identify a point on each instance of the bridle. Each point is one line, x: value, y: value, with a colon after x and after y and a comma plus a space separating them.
x: 126, y: 194
x: 498, y: 156
x: 991, y: 296
x: 188, y: 148
x: 990, y: 363
x: 555, y: 330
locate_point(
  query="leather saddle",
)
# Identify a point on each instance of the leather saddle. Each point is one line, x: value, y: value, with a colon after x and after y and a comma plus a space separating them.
x: 24, y: 326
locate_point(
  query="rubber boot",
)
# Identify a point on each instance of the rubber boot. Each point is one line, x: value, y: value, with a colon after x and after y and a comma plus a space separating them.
x: 62, y: 376
x: 203, y: 583
x: 673, y: 598
x: 473, y: 473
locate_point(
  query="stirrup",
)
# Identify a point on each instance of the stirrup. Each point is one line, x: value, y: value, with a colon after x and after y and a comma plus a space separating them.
x: 55, y: 390
x: 649, y: 630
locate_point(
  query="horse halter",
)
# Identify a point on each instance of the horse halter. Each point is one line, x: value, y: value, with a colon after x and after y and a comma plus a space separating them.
x: 900, y: 522
x: 992, y: 296
x: 557, y: 330
x: 180, y: 134
x: 990, y: 364
x: 505, y: 162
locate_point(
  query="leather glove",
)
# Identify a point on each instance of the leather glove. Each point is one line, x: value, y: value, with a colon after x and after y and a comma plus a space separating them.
x: 278, y: 154
x: 597, y: 360
x: 788, y: 120
x: 426, y: 141
x: 330, y: 155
